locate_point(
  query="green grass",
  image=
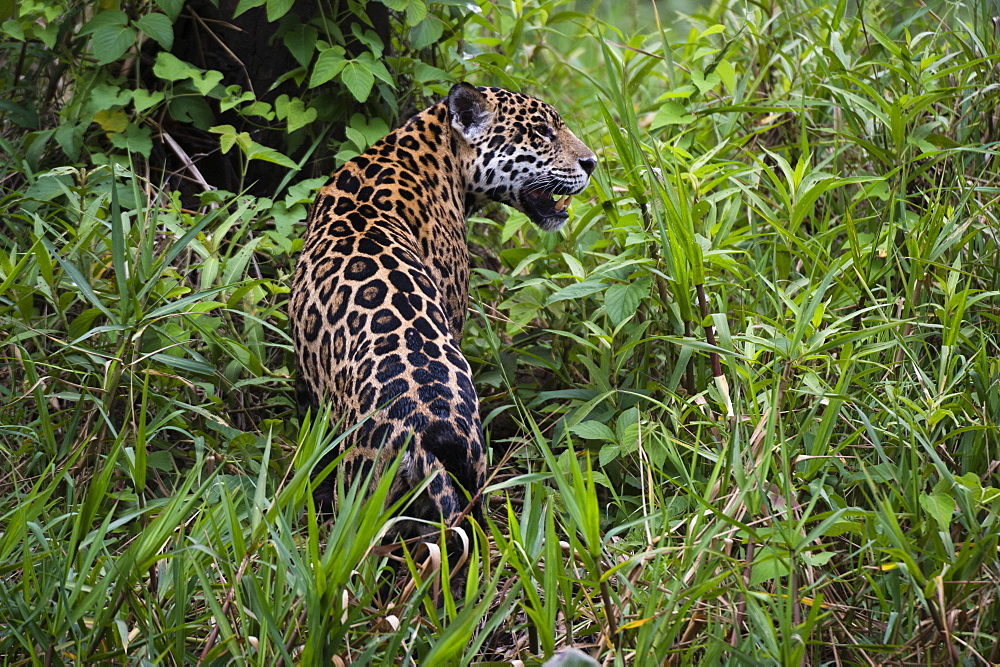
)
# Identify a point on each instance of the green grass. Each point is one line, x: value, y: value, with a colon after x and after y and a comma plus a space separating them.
x: 745, y: 408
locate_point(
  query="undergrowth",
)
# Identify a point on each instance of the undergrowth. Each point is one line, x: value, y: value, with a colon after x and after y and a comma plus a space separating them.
x: 744, y: 408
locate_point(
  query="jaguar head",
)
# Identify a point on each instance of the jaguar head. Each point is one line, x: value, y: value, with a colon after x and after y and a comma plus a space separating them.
x: 517, y: 150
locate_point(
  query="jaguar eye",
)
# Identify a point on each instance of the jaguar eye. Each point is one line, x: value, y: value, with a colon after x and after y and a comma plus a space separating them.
x: 546, y: 131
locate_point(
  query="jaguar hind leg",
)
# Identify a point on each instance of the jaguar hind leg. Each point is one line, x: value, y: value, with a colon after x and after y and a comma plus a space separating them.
x: 443, y: 502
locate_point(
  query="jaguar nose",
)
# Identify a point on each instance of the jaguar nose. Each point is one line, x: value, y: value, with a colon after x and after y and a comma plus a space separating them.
x: 588, y: 164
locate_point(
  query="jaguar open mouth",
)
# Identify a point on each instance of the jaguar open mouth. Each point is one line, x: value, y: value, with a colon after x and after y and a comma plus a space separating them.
x: 546, y: 208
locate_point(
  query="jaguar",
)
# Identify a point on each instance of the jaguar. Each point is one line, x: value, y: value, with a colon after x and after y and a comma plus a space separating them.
x: 381, y: 288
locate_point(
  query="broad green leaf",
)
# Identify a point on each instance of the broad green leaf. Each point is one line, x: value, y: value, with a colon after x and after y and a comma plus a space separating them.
x: 171, y: 68
x: 515, y: 221
x: 355, y: 137
x: 328, y: 65
x: 104, y: 18
x: 671, y: 113
x: 768, y: 566
x: 159, y: 27
x: 135, y: 139
x: 621, y: 301
x: 278, y: 8
x: 426, y: 32
x: 358, y: 79
x: 301, y: 43
x: 246, y: 5
x: 372, y: 129
x: 818, y: 559
x: 416, y: 11
x: 425, y: 73
x: 235, y: 96
x: 206, y: 83
x: 589, y: 286
x: 370, y: 39
x: 285, y: 219
x: 110, y: 34
x: 294, y: 111
x: 593, y: 430
x: 83, y: 322
x: 172, y: 8
x: 727, y: 74
x: 70, y: 138
x: 160, y: 460
x: 712, y: 30
x: 111, y: 121
x: 258, y: 152
x: 609, y: 453
x: 111, y: 42
x: 304, y: 191
x: 12, y: 29
x: 376, y: 67
x: 705, y: 83
x: 229, y: 137
x: 262, y: 109
x: 191, y: 109
x: 104, y: 96
x: 940, y: 506
x: 143, y: 99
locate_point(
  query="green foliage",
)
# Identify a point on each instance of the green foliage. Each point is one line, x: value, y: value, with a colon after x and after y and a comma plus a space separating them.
x: 744, y: 408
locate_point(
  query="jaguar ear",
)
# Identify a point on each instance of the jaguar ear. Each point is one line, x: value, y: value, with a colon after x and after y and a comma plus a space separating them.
x: 469, y: 110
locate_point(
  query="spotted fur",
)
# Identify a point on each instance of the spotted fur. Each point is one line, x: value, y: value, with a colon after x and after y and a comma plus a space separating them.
x: 382, y: 285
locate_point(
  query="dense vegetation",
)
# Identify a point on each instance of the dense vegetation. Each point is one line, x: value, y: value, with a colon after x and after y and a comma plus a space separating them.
x: 745, y: 407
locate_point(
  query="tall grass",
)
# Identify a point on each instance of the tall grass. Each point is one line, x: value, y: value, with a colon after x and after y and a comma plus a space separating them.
x: 743, y: 409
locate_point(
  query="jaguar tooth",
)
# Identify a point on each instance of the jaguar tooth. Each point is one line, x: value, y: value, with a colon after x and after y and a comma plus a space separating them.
x: 562, y: 203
